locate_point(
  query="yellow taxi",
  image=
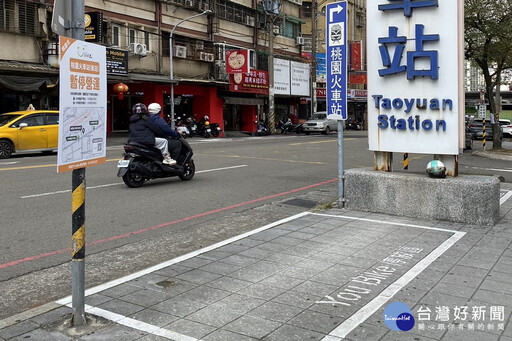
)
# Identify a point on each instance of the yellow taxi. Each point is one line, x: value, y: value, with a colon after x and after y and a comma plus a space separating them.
x: 30, y: 130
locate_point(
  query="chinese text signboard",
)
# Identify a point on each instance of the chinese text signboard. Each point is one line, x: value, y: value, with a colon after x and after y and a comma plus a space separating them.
x: 237, y: 61
x: 83, y: 104
x: 413, y: 76
x: 336, y: 60
x: 255, y: 82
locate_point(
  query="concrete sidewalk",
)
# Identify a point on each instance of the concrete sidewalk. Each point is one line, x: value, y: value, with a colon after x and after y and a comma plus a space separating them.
x: 323, y: 275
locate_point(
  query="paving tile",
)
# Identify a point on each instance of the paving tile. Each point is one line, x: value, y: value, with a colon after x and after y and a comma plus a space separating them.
x: 41, y: 334
x: 205, y: 294
x: 174, y: 286
x: 315, y: 288
x: 366, y: 331
x: 500, y: 277
x: 288, y: 241
x: 252, y: 326
x: 249, y: 275
x: 120, y: 290
x: 239, y: 260
x: 283, y: 258
x: 114, y: 332
x: 225, y: 335
x: 270, y: 234
x: 178, y: 306
x: 145, y: 298
x: 496, y: 286
x: 474, y: 335
x: 151, y: 337
x: 315, y: 321
x: 300, y: 273
x: 239, y: 302
x: 154, y: 317
x: 215, y: 315
x: 220, y: 268
x: 173, y: 270
x: 97, y: 299
x: 190, y: 328
x: 274, y: 311
x: 466, y: 281
x: 18, y: 329
x: 121, y: 307
x: 293, y: 333
x: 215, y: 255
x: 59, y: 314
x: 297, y: 299
x: 229, y: 284
x: 197, y: 276
x: 315, y: 264
x: 265, y: 266
x: 492, y: 297
x: 261, y: 291
x: 274, y: 247
x: 282, y: 282
x: 454, y: 290
x: 195, y: 262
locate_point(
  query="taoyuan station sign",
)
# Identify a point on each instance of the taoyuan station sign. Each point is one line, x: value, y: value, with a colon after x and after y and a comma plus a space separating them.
x: 415, y: 93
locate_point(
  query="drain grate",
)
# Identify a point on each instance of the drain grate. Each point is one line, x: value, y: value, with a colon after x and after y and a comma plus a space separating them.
x: 305, y: 203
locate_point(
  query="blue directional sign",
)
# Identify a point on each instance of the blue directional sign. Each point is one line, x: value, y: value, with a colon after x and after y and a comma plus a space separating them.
x: 336, y: 60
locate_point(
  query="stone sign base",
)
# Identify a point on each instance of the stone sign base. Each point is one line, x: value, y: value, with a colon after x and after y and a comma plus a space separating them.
x: 468, y: 199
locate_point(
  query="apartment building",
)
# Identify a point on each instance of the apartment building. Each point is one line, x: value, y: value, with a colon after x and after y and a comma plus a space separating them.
x: 137, y: 36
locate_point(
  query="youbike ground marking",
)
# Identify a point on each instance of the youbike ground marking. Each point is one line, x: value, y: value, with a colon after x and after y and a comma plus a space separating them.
x: 120, y: 183
x: 375, y: 304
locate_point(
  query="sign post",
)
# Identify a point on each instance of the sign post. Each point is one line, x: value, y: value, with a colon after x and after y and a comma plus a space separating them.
x: 82, y: 127
x: 336, y: 60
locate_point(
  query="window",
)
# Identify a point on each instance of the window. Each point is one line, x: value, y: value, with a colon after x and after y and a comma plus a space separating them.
x: 116, y: 31
x: 147, y: 40
x: 32, y: 120
x: 290, y: 29
x: 52, y: 118
x: 18, y: 16
x: 132, y: 35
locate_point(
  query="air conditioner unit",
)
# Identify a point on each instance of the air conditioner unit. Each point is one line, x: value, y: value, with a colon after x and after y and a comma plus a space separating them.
x: 199, y: 45
x: 189, y: 3
x: 277, y: 29
x: 299, y: 40
x: 180, y: 51
x: 138, y: 49
x: 210, y: 57
x: 202, y: 55
x: 249, y: 20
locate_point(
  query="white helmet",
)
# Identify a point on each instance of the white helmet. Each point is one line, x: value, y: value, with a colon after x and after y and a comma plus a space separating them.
x: 154, y: 108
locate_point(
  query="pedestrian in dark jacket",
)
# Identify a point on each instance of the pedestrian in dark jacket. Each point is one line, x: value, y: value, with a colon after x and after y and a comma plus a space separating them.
x: 144, y: 131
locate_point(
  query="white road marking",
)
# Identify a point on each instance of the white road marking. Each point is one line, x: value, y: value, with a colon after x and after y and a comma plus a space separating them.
x: 119, y: 183
x: 494, y: 169
x: 345, y: 328
x: 505, y: 197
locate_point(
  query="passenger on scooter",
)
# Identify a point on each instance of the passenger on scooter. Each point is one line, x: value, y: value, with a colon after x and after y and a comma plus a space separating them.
x: 143, y: 130
x: 174, y: 144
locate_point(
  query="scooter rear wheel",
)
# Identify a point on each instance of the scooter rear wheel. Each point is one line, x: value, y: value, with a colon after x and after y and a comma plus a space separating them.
x: 133, y: 179
x: 190, y: 170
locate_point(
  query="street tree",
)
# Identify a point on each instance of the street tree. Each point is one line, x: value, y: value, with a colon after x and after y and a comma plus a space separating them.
x: 488, y: 42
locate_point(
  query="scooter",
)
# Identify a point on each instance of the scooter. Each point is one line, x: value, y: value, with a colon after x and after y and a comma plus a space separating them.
x: 215, y: 129
x: 141, y: 163
x: 262, y: 128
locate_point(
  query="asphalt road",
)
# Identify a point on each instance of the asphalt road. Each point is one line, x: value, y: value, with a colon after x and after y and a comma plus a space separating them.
x: 131, y: 229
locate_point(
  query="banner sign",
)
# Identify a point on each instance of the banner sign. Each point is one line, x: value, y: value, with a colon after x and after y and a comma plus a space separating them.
x: 94, y: 26
x: 336, y: 36
x: 355, y: 55
x: 237, y: 61
x: 300, y: 75
x: 83, y: 104
x: 117, y: 62
x: 255, y: 82
x: 281, y: 76
x: 414, y: 76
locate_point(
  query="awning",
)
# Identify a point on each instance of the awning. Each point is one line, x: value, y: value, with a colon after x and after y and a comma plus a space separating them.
x: 294, y: 19
x: 25, y: 84
x: 244, y: 100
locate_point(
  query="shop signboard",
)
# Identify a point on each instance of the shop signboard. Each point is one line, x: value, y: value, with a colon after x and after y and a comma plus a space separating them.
x: 94, y: 26
x: 300, y: 75
x: 255, y: 82
x: 281, y: 76
x: 117, y: 62
x: 237, y: 61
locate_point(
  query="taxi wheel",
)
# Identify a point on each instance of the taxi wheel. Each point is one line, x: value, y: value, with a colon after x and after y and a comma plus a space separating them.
x: 6, y: 149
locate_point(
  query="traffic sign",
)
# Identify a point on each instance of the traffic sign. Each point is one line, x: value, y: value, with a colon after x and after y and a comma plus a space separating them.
x: 336, y: 60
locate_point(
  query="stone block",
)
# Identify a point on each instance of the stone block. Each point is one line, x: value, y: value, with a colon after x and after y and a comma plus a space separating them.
x: 471, y: 199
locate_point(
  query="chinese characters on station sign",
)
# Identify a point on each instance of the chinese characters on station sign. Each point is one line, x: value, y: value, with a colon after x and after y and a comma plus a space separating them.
x: 83, y: 104
x: 336, y: 60
x: 414, y: 76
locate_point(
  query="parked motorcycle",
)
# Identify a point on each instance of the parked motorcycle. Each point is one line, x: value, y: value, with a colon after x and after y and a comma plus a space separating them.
x: 262, y: 128
x: 191, y: 126
x: 204, y: 129
x: 142, y: 163
x: 288, y: 127
x: 215, y: 129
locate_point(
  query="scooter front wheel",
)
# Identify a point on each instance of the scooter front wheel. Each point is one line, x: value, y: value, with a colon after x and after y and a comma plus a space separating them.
x: 133, y: 179
x: 190, y: 170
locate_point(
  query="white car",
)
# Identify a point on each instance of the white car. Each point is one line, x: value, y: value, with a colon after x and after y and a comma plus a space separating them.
x: 506, y: 126
x: 318, y: 123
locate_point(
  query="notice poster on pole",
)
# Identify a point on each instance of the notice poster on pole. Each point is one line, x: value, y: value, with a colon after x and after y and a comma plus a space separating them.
x: 83, y: 105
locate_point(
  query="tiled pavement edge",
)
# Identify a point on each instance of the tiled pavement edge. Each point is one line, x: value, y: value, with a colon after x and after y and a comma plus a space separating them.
x: 303, y: 278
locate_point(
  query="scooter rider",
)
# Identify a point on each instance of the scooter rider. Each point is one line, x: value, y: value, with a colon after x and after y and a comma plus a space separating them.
x: 144, y: 131
x: 174, y: 144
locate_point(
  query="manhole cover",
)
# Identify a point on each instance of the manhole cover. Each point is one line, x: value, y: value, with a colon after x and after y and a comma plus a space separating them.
x: 301, y: 203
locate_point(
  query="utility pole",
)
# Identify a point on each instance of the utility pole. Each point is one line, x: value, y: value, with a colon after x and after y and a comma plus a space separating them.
x: 78, y: 201
x: 314, y: 33
x: 271, y: 110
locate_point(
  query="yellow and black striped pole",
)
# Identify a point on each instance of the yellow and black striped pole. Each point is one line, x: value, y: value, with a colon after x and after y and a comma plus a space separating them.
x: 406, y: 161
x: 483, y: 132
x: 78, y: 247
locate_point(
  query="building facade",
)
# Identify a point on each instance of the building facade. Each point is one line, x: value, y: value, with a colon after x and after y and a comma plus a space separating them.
x: 137, y: 34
